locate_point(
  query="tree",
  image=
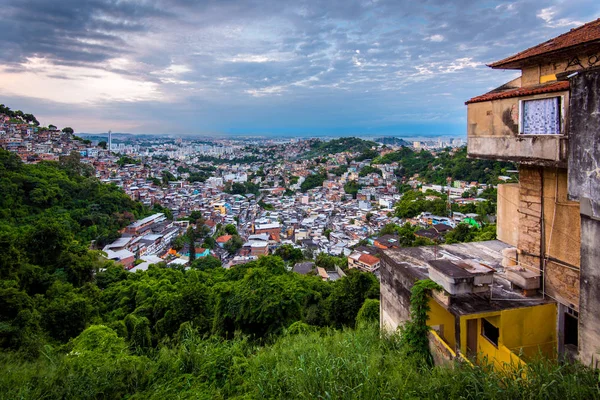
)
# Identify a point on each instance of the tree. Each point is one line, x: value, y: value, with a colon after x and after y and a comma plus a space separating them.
x: 68, y: 130
x: 287, y: 252
x: 348, y: 296
x: 206, y: 263
x: 102, y: 144
x: 231, y: 229
x: 233, y: 244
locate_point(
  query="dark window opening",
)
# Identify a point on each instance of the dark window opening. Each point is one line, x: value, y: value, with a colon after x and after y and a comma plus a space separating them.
x: 489, y: 331
x: 571, y: 329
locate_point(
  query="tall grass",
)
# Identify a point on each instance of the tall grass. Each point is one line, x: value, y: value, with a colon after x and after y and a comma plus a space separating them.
x: 320, y: 364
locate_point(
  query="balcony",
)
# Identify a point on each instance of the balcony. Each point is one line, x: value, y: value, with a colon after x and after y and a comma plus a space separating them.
x: 524, y: 125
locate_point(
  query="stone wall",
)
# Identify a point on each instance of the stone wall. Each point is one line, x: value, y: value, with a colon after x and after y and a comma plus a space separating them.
x: 530, y: 216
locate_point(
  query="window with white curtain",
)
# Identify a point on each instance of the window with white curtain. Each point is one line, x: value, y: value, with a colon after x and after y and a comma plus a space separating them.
x: 541, y: 117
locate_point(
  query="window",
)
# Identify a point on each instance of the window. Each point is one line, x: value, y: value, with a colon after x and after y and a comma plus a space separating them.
x: 541, y: 117
x: 489, y: 331
x: 571, y: 329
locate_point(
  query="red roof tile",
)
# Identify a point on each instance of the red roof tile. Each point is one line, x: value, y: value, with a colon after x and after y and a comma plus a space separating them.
x: 368, y: 259
x: 587, y: 33
x: 519, y: 92
x: 224, y: 238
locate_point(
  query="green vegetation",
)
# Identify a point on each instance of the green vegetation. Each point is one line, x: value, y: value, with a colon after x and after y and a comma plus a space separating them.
x: 415, y: 332
x: 406, y: 235
x: 234, y: 244
x: 413, y: 203
x: 124, y: 160
x: 18, y: 116
x: 367, y: 169
x: 352, y: 187
x: 242, y: 188
x: 313, y: 181
x: 349, y: 144
x: 75, y: 326
x: 436, y: 169
x: 289, y: 253
x: 266, y: 206
x: 339, y: 171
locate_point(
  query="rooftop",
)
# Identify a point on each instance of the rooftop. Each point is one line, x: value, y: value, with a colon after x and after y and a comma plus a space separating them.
x: 501, y: 93
x: 414, y: 262
x: 582, y: 35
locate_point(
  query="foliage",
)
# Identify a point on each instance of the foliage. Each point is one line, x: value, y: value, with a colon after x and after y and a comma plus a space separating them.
x: 367, y: 169
x: 340, y: 170
x: 234, y: 244
x: 350, y: 144
x: 444, y: 164
x: 313, y: 181
x: 124, y: 160
x: 352, y: 187
x: 18, y: 115
x: 287, y: 252
x: 242, y: 188
x: 306, y: 363
x: 230, y: 229
x: 266, y: 206
x: 369, y: 312
x: 415, y: 332
x: 467, y: 233
x: 206, y: 263
x: 413, y: 203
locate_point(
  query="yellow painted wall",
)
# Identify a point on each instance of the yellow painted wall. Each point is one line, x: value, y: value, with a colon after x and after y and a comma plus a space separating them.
x: 438, y: 315
x: 530, y: 329
x: 523, y: 331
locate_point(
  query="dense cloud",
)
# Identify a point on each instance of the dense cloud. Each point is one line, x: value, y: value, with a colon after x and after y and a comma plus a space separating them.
x: 279, y: 67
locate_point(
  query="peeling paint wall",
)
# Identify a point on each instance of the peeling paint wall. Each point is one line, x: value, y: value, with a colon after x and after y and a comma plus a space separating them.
x: 507, y: 225
x: 395, y: 294
x: 584, y: 185
x: 493, y: 133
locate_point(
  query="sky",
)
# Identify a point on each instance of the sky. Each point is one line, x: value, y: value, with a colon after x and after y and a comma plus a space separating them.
x: 269, y: 67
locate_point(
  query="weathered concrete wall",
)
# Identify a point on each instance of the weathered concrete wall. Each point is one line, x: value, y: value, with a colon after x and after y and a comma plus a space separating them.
x: 395, y: 294
x: 535, y: 74
x: 584, y: 146
x: 561, y: 239
x: 507, y: 226
x: 493, y: 132
x: 589, y: 305
x: 584, y: 185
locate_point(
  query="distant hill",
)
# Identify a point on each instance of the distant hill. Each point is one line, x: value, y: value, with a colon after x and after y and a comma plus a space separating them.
x: 394, y: 141
x: 350, y: 144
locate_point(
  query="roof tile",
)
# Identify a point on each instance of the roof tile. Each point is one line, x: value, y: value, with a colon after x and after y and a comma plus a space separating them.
x: 524, y: 91
x: 577, y: 36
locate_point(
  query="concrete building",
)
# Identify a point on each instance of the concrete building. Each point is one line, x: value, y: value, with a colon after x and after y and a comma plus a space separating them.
x: 548, y: 122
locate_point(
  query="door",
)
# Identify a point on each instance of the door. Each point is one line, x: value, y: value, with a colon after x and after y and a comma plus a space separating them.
x: 472, y: 334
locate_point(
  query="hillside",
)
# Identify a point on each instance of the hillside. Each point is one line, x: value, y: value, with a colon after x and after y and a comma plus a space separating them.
x: 394, y: 141
x: 350, y: 144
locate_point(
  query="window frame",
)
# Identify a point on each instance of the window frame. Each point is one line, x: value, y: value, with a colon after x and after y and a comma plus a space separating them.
x: 561, y: 116
x: 483, y: 322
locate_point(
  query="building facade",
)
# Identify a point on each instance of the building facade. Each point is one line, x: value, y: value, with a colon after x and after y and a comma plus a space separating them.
x: 547, y: 121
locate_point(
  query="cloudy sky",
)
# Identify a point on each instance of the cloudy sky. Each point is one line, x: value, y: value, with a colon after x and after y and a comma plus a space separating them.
x: 265, y: 67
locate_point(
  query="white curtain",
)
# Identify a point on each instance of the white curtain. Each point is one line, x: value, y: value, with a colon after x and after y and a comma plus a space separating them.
x: 541, y: 117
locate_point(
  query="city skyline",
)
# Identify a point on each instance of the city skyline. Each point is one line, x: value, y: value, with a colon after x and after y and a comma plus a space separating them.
x: 280, y: 69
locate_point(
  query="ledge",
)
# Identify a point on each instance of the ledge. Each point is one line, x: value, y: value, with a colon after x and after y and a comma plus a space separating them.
x: 542, y: 150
